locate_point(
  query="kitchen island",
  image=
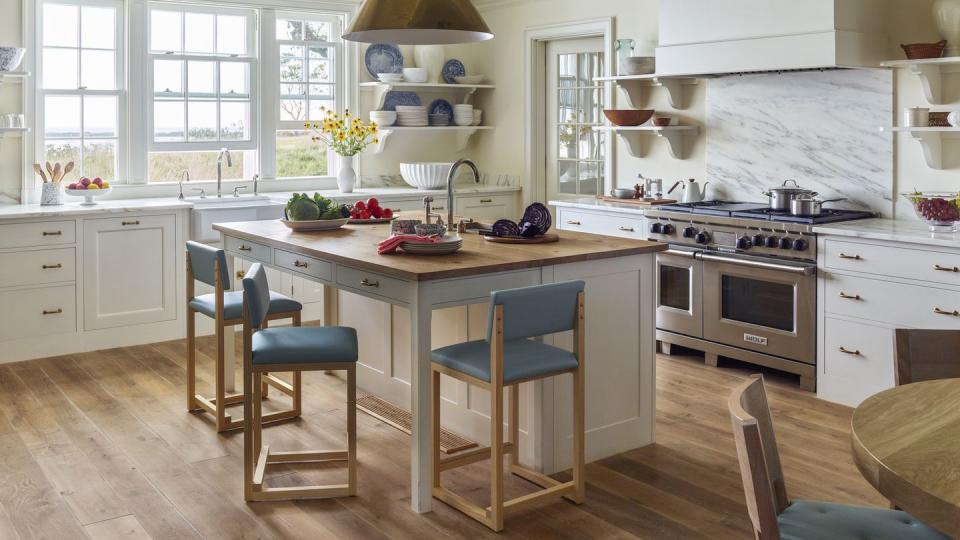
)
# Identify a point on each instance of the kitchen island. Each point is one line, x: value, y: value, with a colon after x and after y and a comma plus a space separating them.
x: 620, y: 326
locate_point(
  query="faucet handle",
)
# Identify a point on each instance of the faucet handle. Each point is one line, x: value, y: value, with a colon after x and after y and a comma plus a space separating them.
x: 203, y: 194
x: 236, y: 190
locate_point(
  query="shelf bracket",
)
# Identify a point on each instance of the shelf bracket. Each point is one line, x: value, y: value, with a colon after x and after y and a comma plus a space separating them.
x: 463, y: 139
x: 468, y: 96
x: 932, y: 145
x: 383, y: 135
x: 380, y: 95
x: 931, y: 78
x: 675, y: 87
x: 634, y: 142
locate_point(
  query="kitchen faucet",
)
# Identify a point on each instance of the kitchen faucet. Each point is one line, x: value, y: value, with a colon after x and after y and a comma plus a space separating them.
x: 184, y: 177
x: 223, y: 152
x: 450, y: 176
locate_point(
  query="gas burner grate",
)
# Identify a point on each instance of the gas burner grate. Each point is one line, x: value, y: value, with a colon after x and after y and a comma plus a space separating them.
x: 827, y: 216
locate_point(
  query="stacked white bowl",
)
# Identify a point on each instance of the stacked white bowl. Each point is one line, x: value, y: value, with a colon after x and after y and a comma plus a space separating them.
x: 463, y: 114
x: 383, y: 118
x: 412, y: 116
x: 477, y: 116
x: 416, y: 75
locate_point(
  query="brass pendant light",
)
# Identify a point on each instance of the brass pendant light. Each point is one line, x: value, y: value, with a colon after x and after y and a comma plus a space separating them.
x: 418, y: 22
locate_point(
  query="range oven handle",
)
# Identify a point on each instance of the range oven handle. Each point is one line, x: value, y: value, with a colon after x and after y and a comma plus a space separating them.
x: 679, y: 253
x: 803, y: 270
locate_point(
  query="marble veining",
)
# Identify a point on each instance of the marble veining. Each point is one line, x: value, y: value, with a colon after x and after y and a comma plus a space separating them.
x: 891, y: 230
x: 820, y: 128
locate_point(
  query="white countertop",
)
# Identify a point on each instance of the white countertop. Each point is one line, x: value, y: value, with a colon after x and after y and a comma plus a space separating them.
x: 117, y: 206
x: 592, y: 203
x: 891, y: 230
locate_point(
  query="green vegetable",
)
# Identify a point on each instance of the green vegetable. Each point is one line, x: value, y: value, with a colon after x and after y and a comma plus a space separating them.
x: 331, y: 213
x: 323, y: 202
x: 302, y: 208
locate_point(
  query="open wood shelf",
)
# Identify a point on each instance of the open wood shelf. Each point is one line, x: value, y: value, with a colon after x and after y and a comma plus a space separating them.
x: 634, y: 137
x: 930, y: 139
x: 380, y: 89
x: 463, y: 134
x: 930, y: 71
x: 636, y: 87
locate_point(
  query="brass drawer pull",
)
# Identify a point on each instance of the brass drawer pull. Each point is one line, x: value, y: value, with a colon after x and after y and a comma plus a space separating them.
x: 850, y: 296
x: 946, y: 268
x: 129, y: 223
x: 53, y: 233
x: 574, y: 223
x: 484, y: 201
x: 245, y: 248
x: 939, y: 311
x: 852, y: 257
x: 52, y: 266
x: 367, y: 283
x: 627, y: 229
x: 845, y: 350
x: 300, y: 264
x: 438, y: 208
x: 53, y: 311
x: 241, y: 274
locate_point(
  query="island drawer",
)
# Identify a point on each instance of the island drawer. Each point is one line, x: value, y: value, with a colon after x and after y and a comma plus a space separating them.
x: 891, y: 261
x: 858, y: 352
x: 373, y: 283
x: 38, y: 312
x: 623, y: 226
x: 37, y: 267
x: 302, y: 264
x: 46, y: 233
x: 248, y: 250
x: 898, y: 304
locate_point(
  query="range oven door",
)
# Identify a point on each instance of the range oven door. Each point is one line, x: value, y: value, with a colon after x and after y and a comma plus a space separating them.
x: 761, y: 305
x: 679, y: 292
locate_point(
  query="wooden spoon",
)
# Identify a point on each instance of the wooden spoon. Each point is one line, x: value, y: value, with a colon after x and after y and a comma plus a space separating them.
x: 50, y: 170
x: 37, y: 169
x: 66, y: 170
x: 56, y: 172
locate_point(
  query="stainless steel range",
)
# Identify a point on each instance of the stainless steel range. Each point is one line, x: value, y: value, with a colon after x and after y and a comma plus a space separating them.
x: 739, y: 280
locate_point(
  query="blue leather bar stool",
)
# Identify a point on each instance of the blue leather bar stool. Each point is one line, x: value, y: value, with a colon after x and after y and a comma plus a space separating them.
x: 327, y: 348
x: 773, y: 515
x: 506, y: 359
x: 209, y: 265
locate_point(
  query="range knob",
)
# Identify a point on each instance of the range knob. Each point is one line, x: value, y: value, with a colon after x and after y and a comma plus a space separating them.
x: 744, y: 242
x: 689, y: 232
x: 656, y: 228
x: 772, y: 241
x: 759, y: 240
x: 800, y: 244
x: 786, y: 243
x: 702, y: 237
x: 668, y: 228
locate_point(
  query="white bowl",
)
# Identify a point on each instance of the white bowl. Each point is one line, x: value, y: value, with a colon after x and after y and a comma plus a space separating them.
x: 383, y: 118
x: 88, y: 194
x: 416, y: 75
x: 10, y: 57
x: 469, y: 79
x: 425, y: 175
x: 390, y: 77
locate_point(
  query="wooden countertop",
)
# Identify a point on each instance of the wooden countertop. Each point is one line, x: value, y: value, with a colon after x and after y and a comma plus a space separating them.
x: 356, y: 246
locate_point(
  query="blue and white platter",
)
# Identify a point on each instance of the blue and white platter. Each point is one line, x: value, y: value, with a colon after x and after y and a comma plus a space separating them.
x: 441, y: 106
x: 383, y: 58
x: 452, y: 69
x: 394, y: 98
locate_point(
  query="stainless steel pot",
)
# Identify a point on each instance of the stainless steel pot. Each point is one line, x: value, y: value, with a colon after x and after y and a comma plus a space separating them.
x: 780, y: 197
x: 808, y: 205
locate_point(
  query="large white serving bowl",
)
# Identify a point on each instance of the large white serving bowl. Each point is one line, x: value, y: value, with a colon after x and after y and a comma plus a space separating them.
x: 425, y: 175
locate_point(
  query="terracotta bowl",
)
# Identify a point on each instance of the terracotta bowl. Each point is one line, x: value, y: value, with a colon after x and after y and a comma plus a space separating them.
x: 662, y: 121
x: 628, y: 117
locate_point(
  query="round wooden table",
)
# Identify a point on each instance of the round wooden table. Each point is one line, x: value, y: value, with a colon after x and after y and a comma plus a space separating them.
x: 906, y: 442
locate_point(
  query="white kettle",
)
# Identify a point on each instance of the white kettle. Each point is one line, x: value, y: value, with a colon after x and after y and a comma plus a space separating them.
x: 693, y: 192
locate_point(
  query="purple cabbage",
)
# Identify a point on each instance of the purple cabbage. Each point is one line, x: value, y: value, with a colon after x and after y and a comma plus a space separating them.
x: 505, y: 227
x: 530, y: 230
x: 538, y: 216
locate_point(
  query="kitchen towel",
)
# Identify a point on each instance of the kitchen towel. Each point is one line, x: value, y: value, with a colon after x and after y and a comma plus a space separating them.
x: 391, y: 244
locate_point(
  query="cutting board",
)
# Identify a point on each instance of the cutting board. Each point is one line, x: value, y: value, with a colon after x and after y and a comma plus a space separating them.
x: 638, y: 202
x: 545, y: 239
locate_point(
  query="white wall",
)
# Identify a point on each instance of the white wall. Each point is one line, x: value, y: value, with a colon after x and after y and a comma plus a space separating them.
x: 10, y: 100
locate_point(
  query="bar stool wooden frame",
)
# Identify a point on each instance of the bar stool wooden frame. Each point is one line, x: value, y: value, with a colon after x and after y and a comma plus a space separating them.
x: 493, y: 515
x: 217, y: 405
x: 257, y: 456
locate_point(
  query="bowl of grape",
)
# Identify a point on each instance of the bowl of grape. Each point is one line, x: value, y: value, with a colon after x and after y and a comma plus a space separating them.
x: 940, y: 210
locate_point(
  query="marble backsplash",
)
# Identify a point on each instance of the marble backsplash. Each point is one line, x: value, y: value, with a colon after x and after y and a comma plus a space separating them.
x: 820, y: 128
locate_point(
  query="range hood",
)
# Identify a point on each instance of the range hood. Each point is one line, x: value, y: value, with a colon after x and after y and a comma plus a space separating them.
x: 710, y: 37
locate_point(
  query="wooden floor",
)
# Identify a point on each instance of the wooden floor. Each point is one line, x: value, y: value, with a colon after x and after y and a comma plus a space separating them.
x: 99, y: 445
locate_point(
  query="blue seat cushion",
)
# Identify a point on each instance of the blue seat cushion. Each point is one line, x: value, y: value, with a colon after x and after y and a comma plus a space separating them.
x: 522, y: 359
x: 807, y: 520
x: 304, y: 345
x: 233, y: 304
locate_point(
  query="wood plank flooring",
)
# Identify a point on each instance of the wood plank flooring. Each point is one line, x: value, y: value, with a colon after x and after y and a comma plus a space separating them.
x: 99, y: 445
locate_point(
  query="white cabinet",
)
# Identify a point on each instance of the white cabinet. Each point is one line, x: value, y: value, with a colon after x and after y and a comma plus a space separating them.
x: 621, y: 224
x: 129, y: 271
x: 487, y: 207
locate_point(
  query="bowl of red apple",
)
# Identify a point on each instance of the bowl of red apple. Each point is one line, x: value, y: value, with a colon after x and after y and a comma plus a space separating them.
x: 89, y: 189
x: 940, y: 210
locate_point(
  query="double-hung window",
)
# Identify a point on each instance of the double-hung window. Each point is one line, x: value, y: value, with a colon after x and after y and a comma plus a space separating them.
x: 81, y: 86
x: 203, y: 78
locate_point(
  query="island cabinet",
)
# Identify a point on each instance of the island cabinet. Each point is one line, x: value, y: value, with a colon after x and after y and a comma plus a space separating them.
x: 867, y: 289
x: 90, y: 281
x: 626, y: 224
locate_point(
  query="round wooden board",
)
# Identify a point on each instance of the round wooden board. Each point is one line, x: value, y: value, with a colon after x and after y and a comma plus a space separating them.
x: 376, y: 221
x: 545, y: 239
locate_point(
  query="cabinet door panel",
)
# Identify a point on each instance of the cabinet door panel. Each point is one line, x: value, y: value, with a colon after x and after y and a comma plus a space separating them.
x: 129, y: 269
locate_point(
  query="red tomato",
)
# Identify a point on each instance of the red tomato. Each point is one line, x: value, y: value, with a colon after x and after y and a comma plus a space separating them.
x: 359, y: 205
x: 372, y: 203
x: 387, y: 213
x: 376, y: 211
x: 364, y: 214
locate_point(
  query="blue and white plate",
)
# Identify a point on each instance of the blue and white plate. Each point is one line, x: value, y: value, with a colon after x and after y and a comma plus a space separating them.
x: 383, y: 58
x: 400, y: 98
x: 441, y: 106
x: 453, y: 68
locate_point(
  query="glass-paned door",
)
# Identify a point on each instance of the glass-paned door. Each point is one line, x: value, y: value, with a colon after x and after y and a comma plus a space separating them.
x: 575, y: 152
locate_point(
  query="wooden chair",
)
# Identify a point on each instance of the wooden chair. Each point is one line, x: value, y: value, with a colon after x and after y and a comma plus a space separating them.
x: 328, y: 348
x: 504, y: 360
x: 924, y: 355
x: 772, y: 514
x: 209, y: 265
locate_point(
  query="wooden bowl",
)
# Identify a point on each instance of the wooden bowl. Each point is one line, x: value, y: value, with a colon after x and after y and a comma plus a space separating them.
x: 918, y: 51
x: 628, y: 117
x: 662, y: 121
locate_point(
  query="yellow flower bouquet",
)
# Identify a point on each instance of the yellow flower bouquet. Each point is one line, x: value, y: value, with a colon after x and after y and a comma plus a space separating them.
x: 347, y: 135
